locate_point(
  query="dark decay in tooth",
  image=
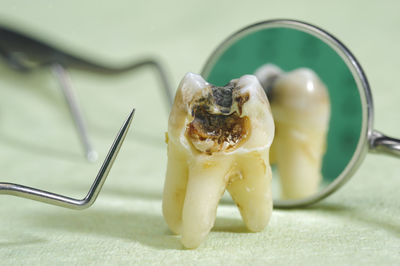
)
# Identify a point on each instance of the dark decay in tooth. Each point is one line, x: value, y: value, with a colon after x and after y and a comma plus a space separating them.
x: 227, y: 126
x: 223, y: 96
x: 241, y: 100
x: 218, y: 128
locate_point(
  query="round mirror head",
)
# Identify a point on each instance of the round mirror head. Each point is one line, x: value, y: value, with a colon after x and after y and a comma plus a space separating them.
x: 319, y: 98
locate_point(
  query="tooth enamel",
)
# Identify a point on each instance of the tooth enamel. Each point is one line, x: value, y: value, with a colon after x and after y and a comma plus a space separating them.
x: 218, y: 138
x: 301, y: 109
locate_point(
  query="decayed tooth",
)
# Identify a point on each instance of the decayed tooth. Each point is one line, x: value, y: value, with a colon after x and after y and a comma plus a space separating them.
x: 301, y: 109
x: 218, y: 138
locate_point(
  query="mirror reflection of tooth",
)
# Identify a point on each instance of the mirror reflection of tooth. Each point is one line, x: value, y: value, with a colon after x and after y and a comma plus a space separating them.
x: 267, y: 75
x: 301, y: 109
x: 299, y: 162
x: 218, y: 138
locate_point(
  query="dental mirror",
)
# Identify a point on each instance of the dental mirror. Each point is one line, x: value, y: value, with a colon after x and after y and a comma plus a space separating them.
x: 321, y: 103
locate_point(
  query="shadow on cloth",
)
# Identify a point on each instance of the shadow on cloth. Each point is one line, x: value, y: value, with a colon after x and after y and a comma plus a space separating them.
x: 22, y: 241
x: 378, y: 219
x: 230, y: 225
x: 150, y: 230
x: 147, y: 229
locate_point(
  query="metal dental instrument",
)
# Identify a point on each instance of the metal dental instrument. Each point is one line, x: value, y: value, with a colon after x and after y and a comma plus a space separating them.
x: 67, y: 202
x: 65, y: 84
x: 25, y: 53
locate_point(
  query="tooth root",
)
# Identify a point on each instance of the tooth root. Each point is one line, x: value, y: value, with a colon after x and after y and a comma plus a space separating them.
x: 206, y: 185
x: 175, y: 188
x: 299, y: 164
x: 251, y: 191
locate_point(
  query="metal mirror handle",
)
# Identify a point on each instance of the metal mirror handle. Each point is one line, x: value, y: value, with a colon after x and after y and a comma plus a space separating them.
x: 381, y: 143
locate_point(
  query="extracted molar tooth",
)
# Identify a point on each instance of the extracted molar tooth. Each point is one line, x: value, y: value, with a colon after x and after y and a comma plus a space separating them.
x: 218, y: 138
x: 301, y: 109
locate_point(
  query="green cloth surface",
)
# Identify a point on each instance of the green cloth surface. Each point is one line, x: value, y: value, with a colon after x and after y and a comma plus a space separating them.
x: 358, y: 225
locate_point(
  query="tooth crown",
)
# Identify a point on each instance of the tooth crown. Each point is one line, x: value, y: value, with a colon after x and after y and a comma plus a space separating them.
x: 247, y: 100
x: 218, y: 139
x: 300, y: 97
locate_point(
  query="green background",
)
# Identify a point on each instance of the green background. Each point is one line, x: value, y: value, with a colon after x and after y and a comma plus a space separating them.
x: 291, y: 49
x: 357, y: 225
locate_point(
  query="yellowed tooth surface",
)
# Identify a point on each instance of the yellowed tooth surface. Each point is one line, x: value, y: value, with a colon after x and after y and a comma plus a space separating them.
x: 206, y: 184
x: 301, y: 109
x: 218, y: 138
x: 175, y: 187
x: 251, y: 193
